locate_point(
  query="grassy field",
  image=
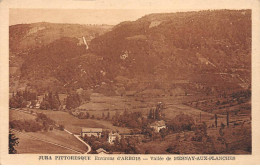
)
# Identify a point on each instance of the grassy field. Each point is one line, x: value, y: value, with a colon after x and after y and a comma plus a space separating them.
x: 100, y: 104
x: 17, y: 115
x: 36, y: 142
x: 62, y: 138
x: 74, y: 124
x: 30, y: 145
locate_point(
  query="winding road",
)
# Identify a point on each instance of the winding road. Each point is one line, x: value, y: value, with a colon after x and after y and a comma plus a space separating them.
x: 78, y: 137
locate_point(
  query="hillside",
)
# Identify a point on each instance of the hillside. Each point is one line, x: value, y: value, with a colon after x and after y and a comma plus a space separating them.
x: 196, y: 51
x: 212, y: 48
x: 24, y: 37
x: 40, y: 46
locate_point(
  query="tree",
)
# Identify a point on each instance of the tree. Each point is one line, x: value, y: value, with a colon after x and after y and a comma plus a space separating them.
x: 181, y: 122
x: 33, y: 103
x: 13, y: 141
x: 44, y: 105
x: 163, y: 132
x: 108, y: 115
x: 87, y: 115
x: 216, y: 120
x: 55, y: 103
x: 81, y: 115
x: 150, y: 114
x: 157, y: 114
x: 61, y: 127
x: 72, y: 101
x: 227, y: 118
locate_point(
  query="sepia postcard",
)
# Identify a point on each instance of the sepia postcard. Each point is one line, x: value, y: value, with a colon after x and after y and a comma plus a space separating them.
x: 129, y: 82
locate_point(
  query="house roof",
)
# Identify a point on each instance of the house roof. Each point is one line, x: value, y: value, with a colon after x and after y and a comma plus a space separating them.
x: 113, y: 134
x: 158, y: 123
x: 101, y: 150
x: 91, y: 130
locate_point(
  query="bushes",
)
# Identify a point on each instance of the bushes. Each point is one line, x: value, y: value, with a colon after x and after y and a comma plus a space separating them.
x: 61, y: 127
x: 200, y: 132
x: 83, y: 115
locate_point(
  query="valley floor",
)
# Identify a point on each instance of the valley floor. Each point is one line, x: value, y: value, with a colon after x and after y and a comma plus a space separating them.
x: 57, y: 141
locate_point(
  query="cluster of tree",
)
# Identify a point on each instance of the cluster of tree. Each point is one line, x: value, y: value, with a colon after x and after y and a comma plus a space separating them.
x: 84, y: 95
x: 128, y: 145
x: 86, y: 115
x: 131, y: 120
x: 200, y: 132
x: 155, y: 114
x: 136, y: 119
x: 41, y: 122
x: 46, y: 121
x: 198, y: 142
x: 73, y: 101
x: 106, y: 117
x: 83, y: 115
x: 242, y: 93
x: 97, y: 143
x: 151, y: 135
x: 182, y: 122
x: 50, y: 101
x: 21, y: 98
x: 13, y: 141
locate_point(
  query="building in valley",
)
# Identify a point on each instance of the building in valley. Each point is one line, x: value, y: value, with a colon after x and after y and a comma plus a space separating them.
x: 101, y: 151
x: 112, y: 137
x: 158, y: 125
x: 96, y: 132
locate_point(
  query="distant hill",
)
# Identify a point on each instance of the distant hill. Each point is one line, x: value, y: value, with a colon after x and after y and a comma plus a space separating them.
x: 205, y: 50
x: 212, y: 48
x: 38, y: 47
x: 24, y: 37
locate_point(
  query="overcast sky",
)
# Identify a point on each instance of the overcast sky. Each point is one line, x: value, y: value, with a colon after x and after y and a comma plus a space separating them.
x: 80, y: 16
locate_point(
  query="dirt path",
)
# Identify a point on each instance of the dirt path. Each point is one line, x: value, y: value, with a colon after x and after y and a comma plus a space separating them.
x: 89, y: 148
x: 78, y: 137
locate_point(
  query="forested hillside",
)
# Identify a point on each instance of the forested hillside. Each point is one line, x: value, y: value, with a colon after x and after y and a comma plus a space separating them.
x: 206, y: 49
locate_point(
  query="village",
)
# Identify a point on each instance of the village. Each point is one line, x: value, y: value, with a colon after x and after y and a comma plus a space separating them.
x: 90, y: 134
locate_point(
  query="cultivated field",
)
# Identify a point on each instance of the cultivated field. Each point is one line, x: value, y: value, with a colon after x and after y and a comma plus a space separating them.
x: 74, y: 124
x: 17, y: 115
x: 30, y: 143
x: 54, y: 141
